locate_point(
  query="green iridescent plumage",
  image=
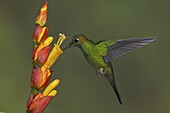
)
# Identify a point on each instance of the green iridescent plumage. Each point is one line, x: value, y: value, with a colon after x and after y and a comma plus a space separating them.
x: 99, y: 55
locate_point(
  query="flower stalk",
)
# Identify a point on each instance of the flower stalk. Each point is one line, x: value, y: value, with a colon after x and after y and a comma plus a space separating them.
x: 43, y: 57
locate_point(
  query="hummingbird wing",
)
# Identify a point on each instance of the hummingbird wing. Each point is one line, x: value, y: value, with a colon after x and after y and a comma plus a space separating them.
x: 123, y: 46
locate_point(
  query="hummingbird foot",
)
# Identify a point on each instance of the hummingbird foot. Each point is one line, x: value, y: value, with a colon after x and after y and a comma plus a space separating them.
x: 101, y: 72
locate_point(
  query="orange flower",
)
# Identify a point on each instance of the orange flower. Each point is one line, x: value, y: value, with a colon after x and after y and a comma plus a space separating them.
x: 42, y: 17
x: 36, y: 51
x: 37, y: 103
x: 39, y: 78
x: 43, y: 55
x: 40, y: 34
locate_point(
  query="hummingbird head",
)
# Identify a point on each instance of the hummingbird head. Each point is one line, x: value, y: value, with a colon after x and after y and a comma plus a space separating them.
x: 76, y: 41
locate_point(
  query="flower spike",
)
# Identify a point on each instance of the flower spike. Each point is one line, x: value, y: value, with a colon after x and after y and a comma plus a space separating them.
x: 43, y: 58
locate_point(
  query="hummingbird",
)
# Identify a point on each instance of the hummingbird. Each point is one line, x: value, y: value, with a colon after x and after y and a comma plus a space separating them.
x: 100, y: 54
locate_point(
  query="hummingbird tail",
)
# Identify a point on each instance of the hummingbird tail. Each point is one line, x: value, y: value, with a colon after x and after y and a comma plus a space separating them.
x: 114, y: 86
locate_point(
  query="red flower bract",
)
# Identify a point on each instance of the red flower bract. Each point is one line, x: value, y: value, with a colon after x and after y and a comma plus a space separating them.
x: 42, y: 17
x: 38, y: 103
x: 39, y: 78
x: 40, y: 34
x: 43, y: 55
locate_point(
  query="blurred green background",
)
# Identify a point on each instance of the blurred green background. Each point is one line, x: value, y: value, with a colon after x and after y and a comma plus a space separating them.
x: 142, y: 76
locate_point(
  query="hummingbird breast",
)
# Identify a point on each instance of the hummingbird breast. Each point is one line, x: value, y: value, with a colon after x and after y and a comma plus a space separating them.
x: 97, y: 63
x: 95, y: 60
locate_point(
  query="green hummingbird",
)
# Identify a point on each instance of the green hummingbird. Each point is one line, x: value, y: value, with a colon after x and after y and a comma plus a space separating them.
x: 100, y: 54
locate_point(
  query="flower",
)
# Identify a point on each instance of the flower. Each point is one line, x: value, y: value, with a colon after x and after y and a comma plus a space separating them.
x: 37, y: 103
x: 40, y: 34
x: 55, y: 52
x: 38, y: 49
x: 42, y: 17
x: 43, y: 55
x: 43, y: 61
x: 40, y: 78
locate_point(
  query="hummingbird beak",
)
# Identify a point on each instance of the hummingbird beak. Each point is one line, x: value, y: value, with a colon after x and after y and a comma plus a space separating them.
x: 66, y: 47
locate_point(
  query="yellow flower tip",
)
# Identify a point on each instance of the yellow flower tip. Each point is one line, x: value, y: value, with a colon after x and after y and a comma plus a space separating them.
x: 42, y: 17
x: 48, y: 41
x: 44, y: 7
x: 51, y: 86
x: 52, y: 93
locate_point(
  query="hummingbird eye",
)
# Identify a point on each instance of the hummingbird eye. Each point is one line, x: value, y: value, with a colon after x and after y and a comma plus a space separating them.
x: 76, y: 40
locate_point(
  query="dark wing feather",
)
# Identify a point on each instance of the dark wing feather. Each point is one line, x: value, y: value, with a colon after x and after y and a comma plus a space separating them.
x: 125, y: 45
